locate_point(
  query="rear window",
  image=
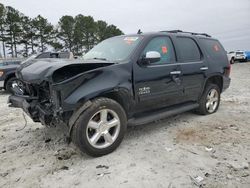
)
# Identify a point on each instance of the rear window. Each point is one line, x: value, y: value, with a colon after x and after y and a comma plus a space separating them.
x: 214, y: 49
x: 188, y: 50
x: 239, y: 53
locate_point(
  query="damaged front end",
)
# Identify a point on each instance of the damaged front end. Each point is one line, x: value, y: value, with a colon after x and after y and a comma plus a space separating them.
x: 47, y: 86
x: 39, y: 102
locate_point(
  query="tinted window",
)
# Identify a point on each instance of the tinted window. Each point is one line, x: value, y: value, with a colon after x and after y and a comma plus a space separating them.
x: 43, y: 55
x: 188, y: 50
x: 64, y: 55
x: 164, y: 46
x: 214, y: 49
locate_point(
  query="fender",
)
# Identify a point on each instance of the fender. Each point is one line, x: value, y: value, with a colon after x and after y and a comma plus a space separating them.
x: 102, y: 82
x: 207, y: 78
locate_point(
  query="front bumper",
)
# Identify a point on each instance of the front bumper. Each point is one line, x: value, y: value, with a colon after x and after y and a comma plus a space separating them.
x: 2, y: 84
x: 31, y: 108
x: 19, y: 102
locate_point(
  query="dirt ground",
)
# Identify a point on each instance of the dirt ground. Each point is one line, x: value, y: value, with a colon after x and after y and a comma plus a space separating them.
x: 211, y: 151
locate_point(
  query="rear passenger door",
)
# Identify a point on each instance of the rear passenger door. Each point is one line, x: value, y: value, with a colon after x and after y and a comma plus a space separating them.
x: 193, y: 67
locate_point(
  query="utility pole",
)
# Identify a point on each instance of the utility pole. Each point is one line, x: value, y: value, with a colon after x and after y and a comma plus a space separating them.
x: 1, y: 54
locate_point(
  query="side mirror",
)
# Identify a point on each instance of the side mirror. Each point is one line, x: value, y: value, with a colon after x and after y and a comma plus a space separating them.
x: 151, y: 57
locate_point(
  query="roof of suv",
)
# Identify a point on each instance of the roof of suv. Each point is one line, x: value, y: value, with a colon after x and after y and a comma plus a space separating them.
x: 173, y: 32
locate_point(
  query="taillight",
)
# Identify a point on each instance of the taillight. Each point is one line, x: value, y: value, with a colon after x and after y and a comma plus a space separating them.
x: 228, y: 70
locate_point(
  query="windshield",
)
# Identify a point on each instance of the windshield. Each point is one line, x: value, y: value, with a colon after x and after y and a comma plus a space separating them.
x: 114, y: 49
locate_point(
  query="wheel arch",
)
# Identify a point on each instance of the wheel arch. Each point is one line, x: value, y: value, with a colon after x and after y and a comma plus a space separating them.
x: 214, y: 79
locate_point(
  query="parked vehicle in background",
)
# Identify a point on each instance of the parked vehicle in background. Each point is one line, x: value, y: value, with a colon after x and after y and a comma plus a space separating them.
x: 240, y: 56
x: 231, y: 57
x: 7, y: 75
x: 129, y: 79
x: 46, y: 55
x: 247, y: 53
x: 5, y: 62
x: 8, y: 68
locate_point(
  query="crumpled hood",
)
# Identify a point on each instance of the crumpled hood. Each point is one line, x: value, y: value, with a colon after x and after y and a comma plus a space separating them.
x: 38, y: 70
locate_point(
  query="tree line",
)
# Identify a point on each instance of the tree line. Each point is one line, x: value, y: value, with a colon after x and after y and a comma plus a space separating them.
x: 21, y: 35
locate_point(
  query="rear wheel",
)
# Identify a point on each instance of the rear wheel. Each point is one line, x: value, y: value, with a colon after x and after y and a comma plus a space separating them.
x: 100, y: 129
x: 210, y: 100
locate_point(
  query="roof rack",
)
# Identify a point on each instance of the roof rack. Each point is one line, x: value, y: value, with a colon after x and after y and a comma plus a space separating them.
x: 192, y: 33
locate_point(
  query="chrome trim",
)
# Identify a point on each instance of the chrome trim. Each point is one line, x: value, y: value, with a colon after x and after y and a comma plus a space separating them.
x: 204, y: 68
x: 175, y: 72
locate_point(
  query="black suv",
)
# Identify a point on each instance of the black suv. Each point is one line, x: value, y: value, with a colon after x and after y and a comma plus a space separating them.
x: 131, y: 79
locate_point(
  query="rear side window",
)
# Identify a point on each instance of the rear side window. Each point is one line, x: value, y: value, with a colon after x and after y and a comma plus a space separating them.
x: 164, y: 46
x: 188, y: 50
x: 214, y: 49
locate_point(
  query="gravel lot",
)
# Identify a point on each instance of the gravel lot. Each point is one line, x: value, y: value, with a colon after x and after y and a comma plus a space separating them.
x: 168, y: 153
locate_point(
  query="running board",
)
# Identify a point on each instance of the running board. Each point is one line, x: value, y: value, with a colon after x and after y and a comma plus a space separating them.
x: 148, y: 118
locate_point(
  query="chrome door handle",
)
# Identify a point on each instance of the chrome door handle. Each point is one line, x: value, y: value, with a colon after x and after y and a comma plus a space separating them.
x: 175, y: 72
x: 204, y: 68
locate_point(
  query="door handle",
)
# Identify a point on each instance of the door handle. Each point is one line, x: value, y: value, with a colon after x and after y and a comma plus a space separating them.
x: 175, y: 72
x: 204, y: 68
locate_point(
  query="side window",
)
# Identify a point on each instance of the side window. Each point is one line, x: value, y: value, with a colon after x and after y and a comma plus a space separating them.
x: 214, y: 49
x: 188, y: 50
x: 164, y: 46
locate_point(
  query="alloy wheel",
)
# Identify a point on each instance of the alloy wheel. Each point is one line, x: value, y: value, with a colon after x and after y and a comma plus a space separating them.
x: 212, y: 100
x: 103, y: 128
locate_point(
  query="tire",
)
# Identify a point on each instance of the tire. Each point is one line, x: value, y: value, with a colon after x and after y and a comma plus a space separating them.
x: 206, y: 106
x: 89, y: 126
x: 8, y: 85
x: 232, y: 61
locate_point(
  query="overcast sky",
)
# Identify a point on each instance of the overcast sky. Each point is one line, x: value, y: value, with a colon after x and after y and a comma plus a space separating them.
x: 227, y: 20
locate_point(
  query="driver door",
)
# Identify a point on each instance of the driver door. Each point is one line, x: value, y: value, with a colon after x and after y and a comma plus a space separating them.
x: 159, y: 84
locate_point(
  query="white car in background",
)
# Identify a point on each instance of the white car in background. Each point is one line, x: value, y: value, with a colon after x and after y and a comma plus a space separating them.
x: 237, y: 56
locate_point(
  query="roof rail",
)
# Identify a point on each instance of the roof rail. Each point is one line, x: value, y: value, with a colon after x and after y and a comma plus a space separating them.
x: 192, y: 33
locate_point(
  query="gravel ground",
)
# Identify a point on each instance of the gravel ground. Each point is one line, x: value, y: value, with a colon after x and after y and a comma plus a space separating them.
x: 186, y: 150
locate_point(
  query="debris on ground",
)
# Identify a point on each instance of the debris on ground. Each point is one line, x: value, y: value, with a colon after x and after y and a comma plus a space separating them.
x: 208, y: 149
x: 197, y: 180
x: 234, y: 127
x: 103, y: 174
x: 64, y: 154
x: 4, y: 174
x: 64, y: 168
x: 238, y: 165
x: 47, y: 140
x: 102, y: 166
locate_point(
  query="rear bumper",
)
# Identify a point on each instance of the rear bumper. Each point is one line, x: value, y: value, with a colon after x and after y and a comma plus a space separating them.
x: 2, y: 84
x: 226, y: 83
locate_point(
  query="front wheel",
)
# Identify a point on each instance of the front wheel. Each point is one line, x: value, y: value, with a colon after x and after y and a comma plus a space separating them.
x: 232, y: 61
x: 210, y: 100
x: 100, y: 129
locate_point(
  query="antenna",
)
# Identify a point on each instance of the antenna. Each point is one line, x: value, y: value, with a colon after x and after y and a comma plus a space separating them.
x: 139, y: 32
